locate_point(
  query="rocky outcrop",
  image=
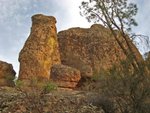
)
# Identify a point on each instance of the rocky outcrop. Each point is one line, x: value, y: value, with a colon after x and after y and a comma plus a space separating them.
x: 93, y: 47
x: 82, y: 52
x: 40, y: 51
x: 64, y: 76
x: 7, y: 74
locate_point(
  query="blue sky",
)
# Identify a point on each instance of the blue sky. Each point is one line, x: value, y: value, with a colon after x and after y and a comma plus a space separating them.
x: 15, y: 21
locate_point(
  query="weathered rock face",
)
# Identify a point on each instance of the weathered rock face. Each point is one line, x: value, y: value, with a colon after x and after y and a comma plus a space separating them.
x: 40, y: 51
x: 7, y: 74
x: 64, y: 76
x: 93, y: 47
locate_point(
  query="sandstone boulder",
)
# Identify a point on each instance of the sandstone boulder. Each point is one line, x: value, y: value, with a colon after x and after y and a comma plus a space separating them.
x: 93, y: 47
x: 64, y: 76
x: 40, y: 51
x: 7, y: 74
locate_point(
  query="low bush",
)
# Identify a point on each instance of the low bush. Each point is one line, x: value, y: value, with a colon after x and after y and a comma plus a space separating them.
x: 48, y: 87
x: 34, y: 91
x: 128, y: 88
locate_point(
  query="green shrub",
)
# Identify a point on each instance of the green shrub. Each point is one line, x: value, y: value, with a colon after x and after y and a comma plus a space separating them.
x: 34, y: 92
x: 48, y: 87
x: 101, y: 75
x: 18, y: 83
x: 129, y: 88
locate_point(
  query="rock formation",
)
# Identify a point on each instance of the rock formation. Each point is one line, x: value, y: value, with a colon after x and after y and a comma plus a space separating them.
x: 40, y: 51
x: 82, y: 52
x: 7, y: 74
x: 93, y: 47
x: 64, y: 76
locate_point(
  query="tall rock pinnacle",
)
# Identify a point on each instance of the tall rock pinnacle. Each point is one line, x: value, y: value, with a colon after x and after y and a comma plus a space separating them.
x: 40, y: 51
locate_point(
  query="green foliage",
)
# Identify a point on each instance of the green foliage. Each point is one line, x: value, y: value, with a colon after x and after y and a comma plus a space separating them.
x: 34, y: 91
x: 129, y: 83
x: 129, y: 88
x: 102, y: 75
x: 18, y: 83
x: 36, y: 86
x: 117, y: 14
x: 48, y: 87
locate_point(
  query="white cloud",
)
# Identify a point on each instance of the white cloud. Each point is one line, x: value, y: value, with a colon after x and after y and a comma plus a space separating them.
x: 10, y: 8
x: 143, y: 19
x: 73, y: 15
